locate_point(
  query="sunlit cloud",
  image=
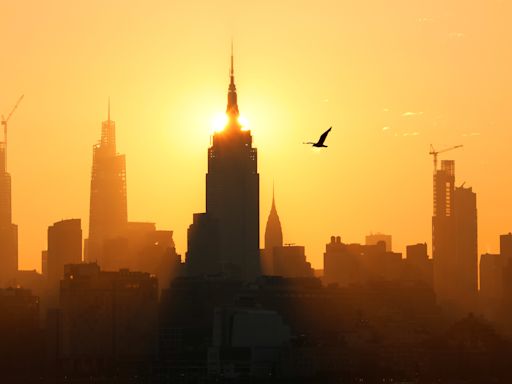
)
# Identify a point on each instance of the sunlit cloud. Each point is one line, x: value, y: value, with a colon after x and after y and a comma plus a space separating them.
x: 411, y: 134
x: 386, y: 110
x: 456, y: 35
x: 386, y: 128
x: 411, y: 114
x: 471, y: 134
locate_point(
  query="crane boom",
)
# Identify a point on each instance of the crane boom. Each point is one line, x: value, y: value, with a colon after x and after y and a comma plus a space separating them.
x: 434, y: 153
x: 4, y: 123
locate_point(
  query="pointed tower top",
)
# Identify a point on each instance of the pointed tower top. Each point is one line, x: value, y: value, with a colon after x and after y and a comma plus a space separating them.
x: 273, y: 198
x: 232, y: 108
x: 109, y: 108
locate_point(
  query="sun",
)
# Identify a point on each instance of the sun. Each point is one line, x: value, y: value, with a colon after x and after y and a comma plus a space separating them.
x: 220, y: 121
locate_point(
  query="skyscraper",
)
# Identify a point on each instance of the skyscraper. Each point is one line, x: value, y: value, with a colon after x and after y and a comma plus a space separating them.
x: 232, y: 193
x: 454, y: 241
x: 466, y: 246
x: 108, y: 205
x: 273, y: 238
x: 8, y: 230
x: 64, y: 247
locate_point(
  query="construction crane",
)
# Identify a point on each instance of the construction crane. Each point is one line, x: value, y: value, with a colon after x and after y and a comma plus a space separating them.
x: 434, y: 153
x: 4, y: 124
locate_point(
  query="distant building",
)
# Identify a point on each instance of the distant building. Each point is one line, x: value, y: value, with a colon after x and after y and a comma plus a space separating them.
x: 143, y: 248
x: 8, y: 230
x: 454, y: 241
x: 375, y: 238
x: 21, y: 343
x: 290, y: 261
x: 108, y: 215
x: 466, y: 237
x: 247, y: 342
x: 203, y: 244
x: 418, y: 266
x: 491, y: 283
x: 273, y: 238
x: 64, y: 247
x: 106, y: 318
x: 232, y: 193
x: 506, y: 245
x: 346, y: 264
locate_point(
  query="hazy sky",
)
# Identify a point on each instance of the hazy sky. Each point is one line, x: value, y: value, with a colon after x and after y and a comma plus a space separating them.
x: 391, y: 77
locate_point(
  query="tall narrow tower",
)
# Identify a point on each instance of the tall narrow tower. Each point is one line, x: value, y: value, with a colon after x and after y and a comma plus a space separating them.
x: 232, y: 193
x: 454, y: 241
x: 108, y: 205
x: 8, y: 230
x: 443, y: 232
x: 273, y: 238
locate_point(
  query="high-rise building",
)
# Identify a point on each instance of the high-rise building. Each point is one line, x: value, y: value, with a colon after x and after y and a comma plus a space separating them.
x: 8, y: 230
x: 454, y: 241
x: 466, y: 235
x: 108, y: 205
x: 64, y: 247
x: 232, y: 193
x: 273, y: 238
x: 443, y: 230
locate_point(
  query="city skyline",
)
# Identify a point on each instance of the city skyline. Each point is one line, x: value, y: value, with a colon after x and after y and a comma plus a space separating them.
x: 159, y: 111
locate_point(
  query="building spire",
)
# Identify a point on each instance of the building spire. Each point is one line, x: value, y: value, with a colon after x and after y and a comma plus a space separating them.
x: 232, y: 108
x: 273, y: 197
x: 109, y: 109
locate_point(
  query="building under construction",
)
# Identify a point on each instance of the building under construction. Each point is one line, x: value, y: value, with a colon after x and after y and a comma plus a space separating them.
x: 108, y: 205
x: 8, y: 230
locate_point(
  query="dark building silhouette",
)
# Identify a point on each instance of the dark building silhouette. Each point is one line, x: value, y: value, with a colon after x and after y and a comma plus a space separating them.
x: 108, y: 215
x: 375, y: 238
x: 20, y: 334
x: 454, y: 241
x: 107, y: 319
x: 143, y: 248
x: 64, y: 247
x: 290, y: 261
x: 232, y: 193
x: 417, y: 265
x: 273, y: 238
x: 247, y: 342
x: 443, y: 232
x: 8, y: 230
x: 491, y: 284
x: 203, y: 244
x: 466, y: 239
x: 346, y: 264
x: 506, y: 245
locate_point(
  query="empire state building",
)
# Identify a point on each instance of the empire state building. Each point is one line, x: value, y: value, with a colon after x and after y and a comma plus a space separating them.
x: 232, y: 193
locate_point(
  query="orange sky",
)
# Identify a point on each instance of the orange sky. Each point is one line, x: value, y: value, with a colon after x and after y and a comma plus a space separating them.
x: 390, y: 76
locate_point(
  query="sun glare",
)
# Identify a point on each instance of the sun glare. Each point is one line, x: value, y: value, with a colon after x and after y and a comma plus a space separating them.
x: 244, y: 123
x: 219, y: 122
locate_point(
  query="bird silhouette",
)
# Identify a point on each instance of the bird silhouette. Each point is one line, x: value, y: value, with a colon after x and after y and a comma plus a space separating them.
x: 321, y: 140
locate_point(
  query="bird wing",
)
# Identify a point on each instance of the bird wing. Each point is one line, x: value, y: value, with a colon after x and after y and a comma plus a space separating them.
x: 324, y: 136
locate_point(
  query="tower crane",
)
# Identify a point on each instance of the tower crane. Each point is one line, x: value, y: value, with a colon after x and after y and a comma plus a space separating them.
x: 434, y: 153
x: 4, y: 124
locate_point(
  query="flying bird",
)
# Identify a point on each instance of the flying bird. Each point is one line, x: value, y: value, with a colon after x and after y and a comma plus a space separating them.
x: 321, y: 140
